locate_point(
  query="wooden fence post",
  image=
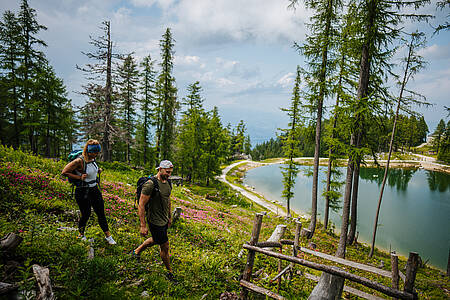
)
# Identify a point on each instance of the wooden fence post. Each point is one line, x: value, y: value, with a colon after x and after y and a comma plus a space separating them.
x: 247, y: 275
x: 298, y: 229
x: 279, y: 271
x: 411, y: 269
x: 394, y: 268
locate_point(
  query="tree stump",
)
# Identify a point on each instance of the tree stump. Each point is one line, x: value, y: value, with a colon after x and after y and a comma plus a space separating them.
x: 329, y: 287
x: 306, y: 233
x: 10, y: 242
x: 176, y: 214
x: 43, y: 280
x: 277, y: 234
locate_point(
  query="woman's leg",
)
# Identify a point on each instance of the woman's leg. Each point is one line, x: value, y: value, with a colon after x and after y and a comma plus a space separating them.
x: 85, y: 208
x: 99, y: 208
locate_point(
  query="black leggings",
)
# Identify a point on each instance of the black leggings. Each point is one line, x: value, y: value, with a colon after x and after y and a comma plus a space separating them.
x: 87, y: 197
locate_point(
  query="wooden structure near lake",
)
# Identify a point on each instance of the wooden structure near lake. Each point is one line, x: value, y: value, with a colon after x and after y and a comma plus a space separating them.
x: 254, y: 247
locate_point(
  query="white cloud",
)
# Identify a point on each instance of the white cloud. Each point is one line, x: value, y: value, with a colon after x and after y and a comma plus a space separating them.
x: 224, y: 82
x: 187, y: 60
x: 235, y: 20
x: 435, y: 52
x: 286, y: 80
x: 143, y: 3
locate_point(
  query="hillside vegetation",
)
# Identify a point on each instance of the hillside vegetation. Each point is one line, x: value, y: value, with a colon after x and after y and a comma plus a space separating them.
x: 205, y: 242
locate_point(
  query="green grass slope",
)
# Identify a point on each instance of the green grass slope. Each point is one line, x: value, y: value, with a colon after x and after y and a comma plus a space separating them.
x: 205, y: 242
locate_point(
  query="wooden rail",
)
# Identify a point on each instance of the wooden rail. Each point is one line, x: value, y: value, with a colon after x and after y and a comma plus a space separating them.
x: 345, y: 262
x: 260, y: 290
x: 335, y: 271
x: 254, y: 247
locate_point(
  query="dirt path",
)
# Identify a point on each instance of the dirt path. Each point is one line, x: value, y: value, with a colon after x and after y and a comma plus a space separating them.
x: 253, y: 197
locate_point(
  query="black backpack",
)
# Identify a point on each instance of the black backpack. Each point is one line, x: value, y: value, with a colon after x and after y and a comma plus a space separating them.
x: 78, y: 182
x: 140, y: 183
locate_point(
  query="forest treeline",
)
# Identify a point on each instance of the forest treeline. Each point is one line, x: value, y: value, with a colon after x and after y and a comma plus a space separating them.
x: 412, y: 132
x: 132, y: 107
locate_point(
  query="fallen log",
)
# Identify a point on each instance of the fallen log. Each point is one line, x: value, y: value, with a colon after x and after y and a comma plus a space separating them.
x: 7, y: 289
x: 10, y: 242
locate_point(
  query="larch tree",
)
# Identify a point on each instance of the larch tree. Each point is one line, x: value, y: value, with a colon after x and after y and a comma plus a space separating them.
x: 413, y: 63
x: 379, y: 28
x: 318, y: 50
x: 344, y: 77
x: 290, y: 141
x: 99, y: 91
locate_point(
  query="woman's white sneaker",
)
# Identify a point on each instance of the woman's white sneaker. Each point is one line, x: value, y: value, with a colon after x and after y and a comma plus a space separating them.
x: 110, y: 240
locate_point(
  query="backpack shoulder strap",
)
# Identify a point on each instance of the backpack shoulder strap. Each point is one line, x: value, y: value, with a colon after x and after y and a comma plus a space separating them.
x: 155, y: 185
x: 94, y: 163
x: 84, y: 163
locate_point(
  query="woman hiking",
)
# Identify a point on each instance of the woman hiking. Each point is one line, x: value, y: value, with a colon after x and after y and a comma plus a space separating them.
x: 83, y: 170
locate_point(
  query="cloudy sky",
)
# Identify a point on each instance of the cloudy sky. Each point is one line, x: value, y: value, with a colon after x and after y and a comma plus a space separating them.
x: 240, y: 51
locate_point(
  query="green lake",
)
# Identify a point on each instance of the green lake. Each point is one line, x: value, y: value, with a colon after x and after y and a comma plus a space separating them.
x: 414, y: 216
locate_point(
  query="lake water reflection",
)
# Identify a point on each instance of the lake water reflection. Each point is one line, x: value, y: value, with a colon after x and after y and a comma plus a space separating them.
x: 414, y: 216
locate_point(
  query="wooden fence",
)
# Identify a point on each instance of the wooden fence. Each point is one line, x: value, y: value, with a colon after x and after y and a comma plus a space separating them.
x: 254, y: 247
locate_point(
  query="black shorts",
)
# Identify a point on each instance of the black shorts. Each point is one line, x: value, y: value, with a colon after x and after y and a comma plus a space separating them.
x: 159, y: 233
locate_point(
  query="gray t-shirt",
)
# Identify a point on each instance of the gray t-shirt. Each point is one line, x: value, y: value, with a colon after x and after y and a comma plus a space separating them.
x: 158, y: 207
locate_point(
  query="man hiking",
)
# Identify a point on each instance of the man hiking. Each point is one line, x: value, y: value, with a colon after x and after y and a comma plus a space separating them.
x: 158, y: 214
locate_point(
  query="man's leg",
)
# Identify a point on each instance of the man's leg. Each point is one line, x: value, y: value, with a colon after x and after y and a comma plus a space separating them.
x: 147, y: 243
x: 164, y: 253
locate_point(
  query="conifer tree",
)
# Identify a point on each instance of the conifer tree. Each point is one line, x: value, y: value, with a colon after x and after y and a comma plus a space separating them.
x: 10, y: 57
x: 379, y: 26
x: 128, y: 77
x: 192, y: 134
x: 215, y: 145
x: 346, y: 72
x: 54, y: 110
x: 31, y: 59
x: 239, y: 138
x: 290, y: 142
x: 167, y: 94
x: 319, y: 43
x: 380, y: 22
x: 413, y: 64
x: 148, y: 106
x: 99, y: 91
x: 438, y: 133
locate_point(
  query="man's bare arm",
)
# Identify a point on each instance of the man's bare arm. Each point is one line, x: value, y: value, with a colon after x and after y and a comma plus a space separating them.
x: 141, y: 211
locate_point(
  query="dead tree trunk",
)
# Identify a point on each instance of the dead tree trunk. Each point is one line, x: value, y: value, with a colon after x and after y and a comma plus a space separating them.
x: 43, y: 280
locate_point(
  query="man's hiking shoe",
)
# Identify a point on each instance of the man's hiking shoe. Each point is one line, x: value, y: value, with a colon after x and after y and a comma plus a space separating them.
x: 134, y: 255
x: 110, y: 240
x: 171, y: 278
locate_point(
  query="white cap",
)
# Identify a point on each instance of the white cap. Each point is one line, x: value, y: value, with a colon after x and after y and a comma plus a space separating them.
x: 165, y: 164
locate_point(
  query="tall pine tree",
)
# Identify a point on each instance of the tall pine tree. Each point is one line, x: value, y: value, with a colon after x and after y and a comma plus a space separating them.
x: 167, y: 94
